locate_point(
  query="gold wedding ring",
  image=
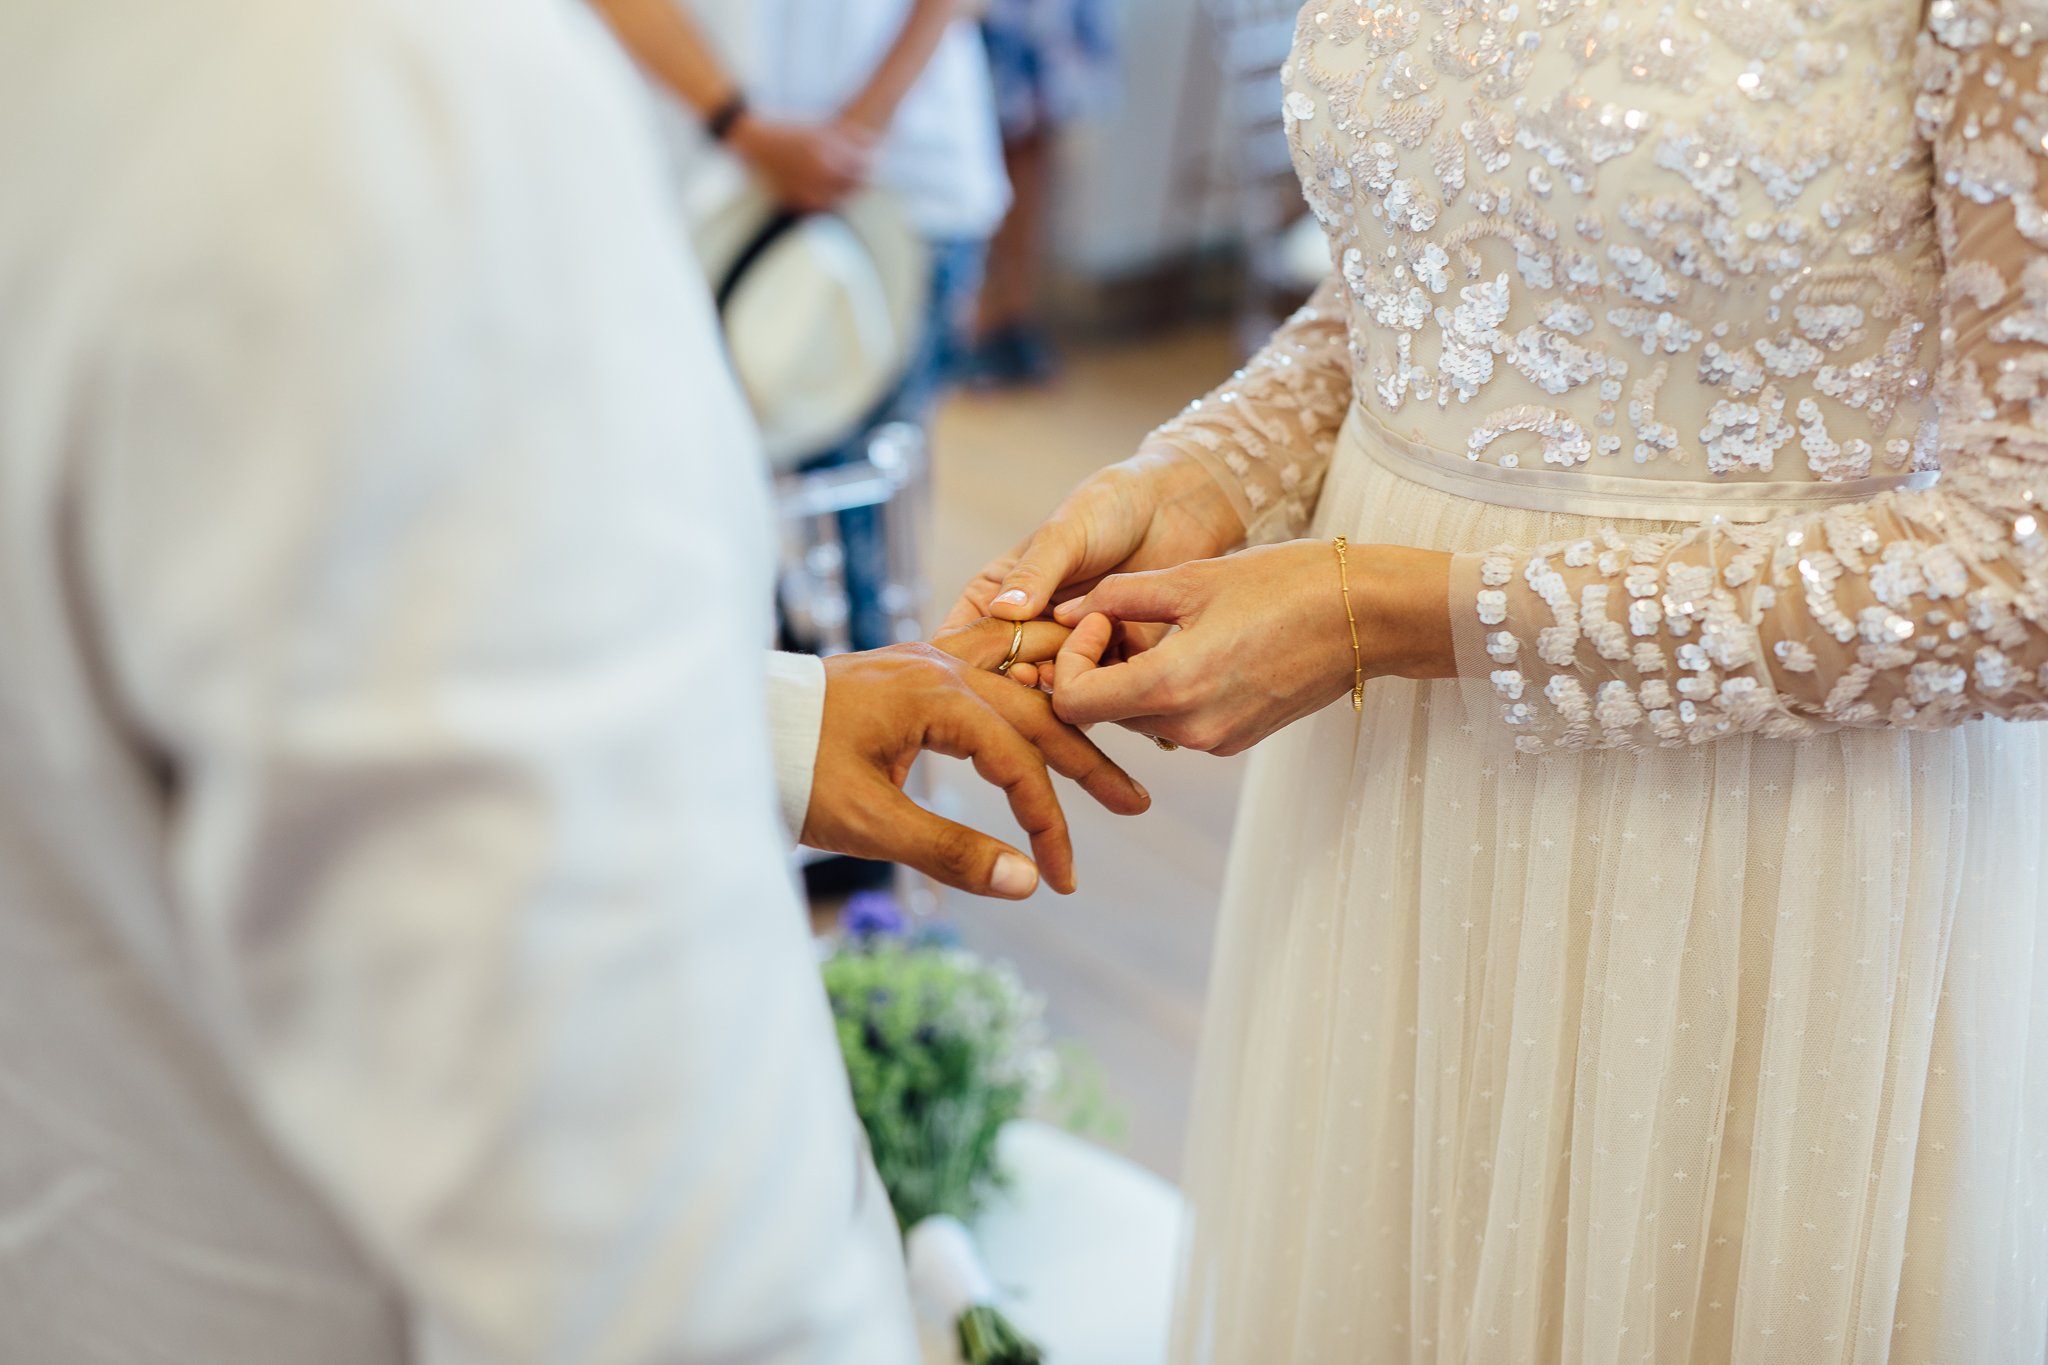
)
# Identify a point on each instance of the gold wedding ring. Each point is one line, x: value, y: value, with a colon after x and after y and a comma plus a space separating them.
x: 1166, y: 746
x: 1016, y: 648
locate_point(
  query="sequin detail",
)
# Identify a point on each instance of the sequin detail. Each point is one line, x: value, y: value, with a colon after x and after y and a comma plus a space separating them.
x: 1752, y: 258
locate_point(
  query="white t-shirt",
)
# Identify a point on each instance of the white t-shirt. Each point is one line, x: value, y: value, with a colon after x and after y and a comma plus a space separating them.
x: 943, y: 155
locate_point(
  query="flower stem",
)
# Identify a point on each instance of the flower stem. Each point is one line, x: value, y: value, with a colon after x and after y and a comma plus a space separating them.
x: 989, y: 1338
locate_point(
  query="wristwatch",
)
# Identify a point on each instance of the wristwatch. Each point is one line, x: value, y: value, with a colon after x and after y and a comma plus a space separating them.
x: 726, y: 117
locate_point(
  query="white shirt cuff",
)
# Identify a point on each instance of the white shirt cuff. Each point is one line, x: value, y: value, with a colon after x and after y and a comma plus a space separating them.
x: 796, y: 717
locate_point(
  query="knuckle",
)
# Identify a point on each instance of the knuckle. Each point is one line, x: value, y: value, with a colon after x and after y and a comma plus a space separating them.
x: 1016, y: 756
x: 925, y: 656
x: 956, y: 850
x: 1048, y: 544
x: 1028, y: 712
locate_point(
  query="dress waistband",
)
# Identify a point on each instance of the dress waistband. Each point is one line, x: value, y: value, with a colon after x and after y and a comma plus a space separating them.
x: 1604, y: 495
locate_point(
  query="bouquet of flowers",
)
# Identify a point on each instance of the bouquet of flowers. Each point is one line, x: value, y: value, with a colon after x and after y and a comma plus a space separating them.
x: 943, y: 1049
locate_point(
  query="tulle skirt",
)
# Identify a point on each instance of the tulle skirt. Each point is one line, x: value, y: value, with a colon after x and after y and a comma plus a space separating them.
x: 1731, y: 1053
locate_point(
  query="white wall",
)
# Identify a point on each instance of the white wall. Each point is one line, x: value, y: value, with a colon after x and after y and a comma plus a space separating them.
x: 1132, y: 182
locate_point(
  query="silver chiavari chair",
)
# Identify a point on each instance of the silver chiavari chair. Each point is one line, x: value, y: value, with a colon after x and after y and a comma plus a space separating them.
x: 895, y: 479
x: 1239, y: 48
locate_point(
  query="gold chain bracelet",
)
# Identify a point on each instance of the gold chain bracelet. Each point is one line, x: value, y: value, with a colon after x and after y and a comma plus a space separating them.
x: 1357, y: 654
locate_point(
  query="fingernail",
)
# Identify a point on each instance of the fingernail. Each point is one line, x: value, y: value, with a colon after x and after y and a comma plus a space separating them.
x: 1014, y: 877
x: 1141, y: 790
x: 1014, y: 597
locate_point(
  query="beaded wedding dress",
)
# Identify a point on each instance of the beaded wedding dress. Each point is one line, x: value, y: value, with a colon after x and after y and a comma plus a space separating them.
x: 1683, y: 996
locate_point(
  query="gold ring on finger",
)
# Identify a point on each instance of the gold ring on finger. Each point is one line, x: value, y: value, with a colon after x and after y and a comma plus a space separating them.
x: 1016, y: 648
x: 1166, y: 746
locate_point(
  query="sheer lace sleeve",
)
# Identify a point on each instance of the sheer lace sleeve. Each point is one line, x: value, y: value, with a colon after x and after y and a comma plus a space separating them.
x: 1915, y: 610
x: 1268, y: 434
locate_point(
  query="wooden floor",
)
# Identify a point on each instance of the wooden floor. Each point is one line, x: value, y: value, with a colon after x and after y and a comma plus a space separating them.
x: 1124, y: 961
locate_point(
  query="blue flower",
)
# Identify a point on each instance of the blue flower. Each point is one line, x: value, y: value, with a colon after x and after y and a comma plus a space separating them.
x: 871, y: 915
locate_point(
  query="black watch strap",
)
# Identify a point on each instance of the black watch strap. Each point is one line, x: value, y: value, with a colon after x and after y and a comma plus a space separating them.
x: 726, y: 117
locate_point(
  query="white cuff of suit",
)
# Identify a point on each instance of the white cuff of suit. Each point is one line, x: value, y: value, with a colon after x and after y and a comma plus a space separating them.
x: 796, y: 717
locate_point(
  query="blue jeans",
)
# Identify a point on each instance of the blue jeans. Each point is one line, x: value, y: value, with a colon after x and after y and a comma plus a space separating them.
x: 948, y: 333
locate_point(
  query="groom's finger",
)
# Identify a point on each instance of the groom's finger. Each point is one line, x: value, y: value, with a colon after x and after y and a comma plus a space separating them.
x: 1005, y: 759
x: 1069, y: 752
x: 985, y: 644
x: 962, y: 858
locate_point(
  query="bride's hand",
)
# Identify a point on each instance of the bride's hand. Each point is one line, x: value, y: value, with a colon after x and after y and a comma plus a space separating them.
x: 1155, y: 510
x: 1263, y: 641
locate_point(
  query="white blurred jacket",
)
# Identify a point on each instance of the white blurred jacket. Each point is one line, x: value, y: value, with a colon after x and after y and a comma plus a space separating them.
x: 397, y: 957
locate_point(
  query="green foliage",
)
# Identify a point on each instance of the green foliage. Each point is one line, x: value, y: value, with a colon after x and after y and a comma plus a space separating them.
x: 989, y: 1338
x: 942, y: 1050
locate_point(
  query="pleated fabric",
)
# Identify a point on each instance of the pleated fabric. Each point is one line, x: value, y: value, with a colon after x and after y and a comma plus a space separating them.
x: 1730, y: 1053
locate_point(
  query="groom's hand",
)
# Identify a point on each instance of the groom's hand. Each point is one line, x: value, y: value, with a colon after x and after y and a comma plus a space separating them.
x: 884, y: 707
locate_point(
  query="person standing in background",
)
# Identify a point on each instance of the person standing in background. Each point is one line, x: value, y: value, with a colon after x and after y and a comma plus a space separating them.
x: 1053, y: 62
x: 820, y: 98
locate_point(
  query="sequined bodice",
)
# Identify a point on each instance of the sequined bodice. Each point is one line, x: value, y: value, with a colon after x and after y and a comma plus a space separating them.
x: 1668, y: 241
x: 1789, y: 255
